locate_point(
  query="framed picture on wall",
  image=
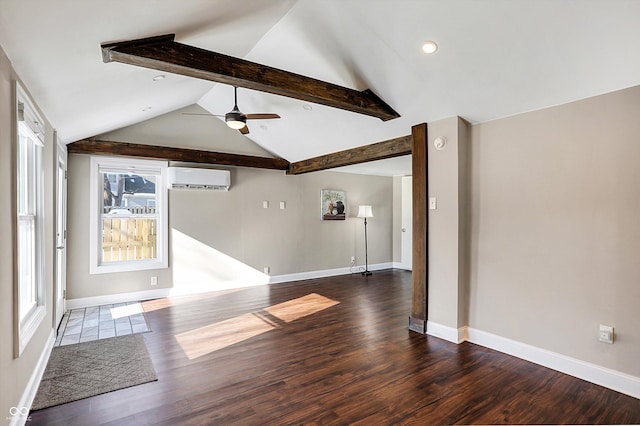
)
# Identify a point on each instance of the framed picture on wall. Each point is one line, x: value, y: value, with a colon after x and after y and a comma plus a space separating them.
x: 333, y: 204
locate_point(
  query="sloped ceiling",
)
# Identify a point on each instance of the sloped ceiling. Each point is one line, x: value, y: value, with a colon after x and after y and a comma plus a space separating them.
x: 55, y: 48
x: 496, y: 58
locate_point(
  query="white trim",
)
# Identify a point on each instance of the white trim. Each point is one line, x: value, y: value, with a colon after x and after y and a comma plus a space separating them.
x: 29, y: 115
x: 612, y: 379
x: 84, y: 302
x: 29, y: 327
x: 275, y: 279
x: 108, y: 299
x: 400, y: 265
x: 97, y: 164
x: 450, y: 334
x: 34, y: 381
x: 30, y: 128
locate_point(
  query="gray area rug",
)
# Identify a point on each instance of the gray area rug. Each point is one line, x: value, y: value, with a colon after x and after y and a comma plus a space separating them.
x: 91, y: 368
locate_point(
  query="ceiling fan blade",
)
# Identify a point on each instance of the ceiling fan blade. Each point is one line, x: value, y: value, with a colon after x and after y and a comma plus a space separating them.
x: 244, y: 130
x: 261, y: 116
x: 203, y: 113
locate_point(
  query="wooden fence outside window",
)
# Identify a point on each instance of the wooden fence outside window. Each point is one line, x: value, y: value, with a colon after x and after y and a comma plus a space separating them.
x: 125, y: 239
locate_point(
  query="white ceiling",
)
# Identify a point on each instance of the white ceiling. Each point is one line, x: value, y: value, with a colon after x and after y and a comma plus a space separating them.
x: 496, y: 58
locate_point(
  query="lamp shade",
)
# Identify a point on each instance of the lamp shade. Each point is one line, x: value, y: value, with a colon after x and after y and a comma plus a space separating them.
x: 365, y: 211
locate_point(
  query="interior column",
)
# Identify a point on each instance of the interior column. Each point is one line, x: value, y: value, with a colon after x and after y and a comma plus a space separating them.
x: 420, y: 274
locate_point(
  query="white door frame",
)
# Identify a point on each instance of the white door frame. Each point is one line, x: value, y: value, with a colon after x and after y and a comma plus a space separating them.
x: 60, y: 288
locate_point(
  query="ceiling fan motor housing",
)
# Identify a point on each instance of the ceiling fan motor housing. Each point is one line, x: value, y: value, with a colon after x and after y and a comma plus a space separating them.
x: 235, y: 119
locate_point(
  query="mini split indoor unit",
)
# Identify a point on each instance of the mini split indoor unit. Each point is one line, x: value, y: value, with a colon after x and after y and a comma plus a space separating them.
x: 194, y: 178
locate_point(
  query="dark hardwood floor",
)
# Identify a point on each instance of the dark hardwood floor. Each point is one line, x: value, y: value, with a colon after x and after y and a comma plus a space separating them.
x: 330, y: 351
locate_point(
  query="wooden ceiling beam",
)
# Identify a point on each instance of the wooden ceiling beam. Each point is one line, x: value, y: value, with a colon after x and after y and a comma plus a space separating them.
x: 164, y: 54
x: 378, y: 151
x: 93, y: 146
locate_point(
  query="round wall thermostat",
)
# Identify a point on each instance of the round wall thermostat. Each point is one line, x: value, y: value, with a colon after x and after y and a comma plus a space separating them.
x: 440, y: 143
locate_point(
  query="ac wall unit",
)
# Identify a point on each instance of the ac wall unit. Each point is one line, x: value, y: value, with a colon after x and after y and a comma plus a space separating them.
x: 193, y: 178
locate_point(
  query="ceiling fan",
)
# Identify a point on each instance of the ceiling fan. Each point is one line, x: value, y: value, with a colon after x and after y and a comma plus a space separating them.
x: 236, y: 119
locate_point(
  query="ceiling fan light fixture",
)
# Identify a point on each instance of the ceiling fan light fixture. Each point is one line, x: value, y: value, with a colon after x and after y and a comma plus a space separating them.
x: 236, y: 124
x: 235, y: 120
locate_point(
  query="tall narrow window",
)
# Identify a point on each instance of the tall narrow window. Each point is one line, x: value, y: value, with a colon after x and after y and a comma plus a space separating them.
x: 30, y: 232
x: 128, y: 199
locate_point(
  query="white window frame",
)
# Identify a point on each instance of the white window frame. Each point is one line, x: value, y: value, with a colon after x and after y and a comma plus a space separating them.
x: 29, y: 130
x: 122, y: 164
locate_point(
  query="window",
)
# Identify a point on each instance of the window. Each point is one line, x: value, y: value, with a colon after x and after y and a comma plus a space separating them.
x: 30, y: 233
x: 128, y: 215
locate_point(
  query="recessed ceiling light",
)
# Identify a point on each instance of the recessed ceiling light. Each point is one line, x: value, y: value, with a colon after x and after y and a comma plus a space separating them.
x: 145, y: 109
x: 429, y: 47
x: 159, y: 77
x: 307, y: 107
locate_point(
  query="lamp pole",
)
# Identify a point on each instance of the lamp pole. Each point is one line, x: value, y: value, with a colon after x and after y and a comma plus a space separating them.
x: 366, y: 251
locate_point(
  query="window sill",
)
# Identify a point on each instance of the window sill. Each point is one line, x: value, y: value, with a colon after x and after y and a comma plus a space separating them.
x: 140, y: 265
x: 29, y: 326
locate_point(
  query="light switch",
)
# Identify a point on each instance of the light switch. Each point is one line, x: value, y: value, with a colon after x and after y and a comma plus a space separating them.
x: 433, y: 204
x: 265, y: 204
x: 282, y: 205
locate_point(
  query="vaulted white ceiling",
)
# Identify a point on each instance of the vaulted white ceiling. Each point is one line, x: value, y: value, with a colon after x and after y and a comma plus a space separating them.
x: 496, y: 58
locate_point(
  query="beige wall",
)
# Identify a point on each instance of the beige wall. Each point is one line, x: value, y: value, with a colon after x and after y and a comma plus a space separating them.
x: 15, y: 373
x: 555, y: 231
x: 222, y: 237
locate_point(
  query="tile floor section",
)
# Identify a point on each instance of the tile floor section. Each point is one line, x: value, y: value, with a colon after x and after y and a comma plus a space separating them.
x: 101, y: 322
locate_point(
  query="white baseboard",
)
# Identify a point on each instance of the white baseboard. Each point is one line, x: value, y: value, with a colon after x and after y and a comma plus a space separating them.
x: 300, y: 276
x: 84, y: 302
x: 612, y: 379
x: 400, y: 265
x: 34, y: 382
x: 450, y: 334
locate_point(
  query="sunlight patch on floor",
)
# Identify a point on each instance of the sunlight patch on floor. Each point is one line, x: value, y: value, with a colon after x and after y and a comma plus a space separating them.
x: 210, y: 338
x: 125, y: 311
x: 300, y: 307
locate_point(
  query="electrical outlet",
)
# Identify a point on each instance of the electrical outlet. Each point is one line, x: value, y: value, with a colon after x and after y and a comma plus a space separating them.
x: 266, y: 269
x: 605, y: 334
x: 353, y: 260
x: 154, y: 280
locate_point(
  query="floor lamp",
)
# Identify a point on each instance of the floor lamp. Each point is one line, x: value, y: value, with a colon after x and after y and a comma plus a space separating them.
x: 365, y: 212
